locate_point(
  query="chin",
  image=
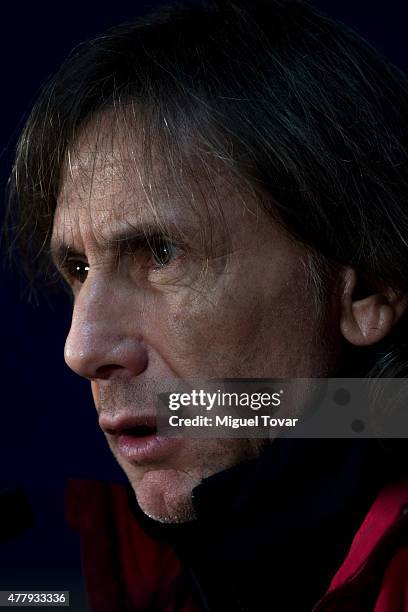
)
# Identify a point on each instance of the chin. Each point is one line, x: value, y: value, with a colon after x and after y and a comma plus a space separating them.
x: 165, y: 495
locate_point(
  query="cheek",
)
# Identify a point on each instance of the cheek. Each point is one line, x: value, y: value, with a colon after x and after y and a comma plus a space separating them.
x: 240, y: 331
x: 210, y: 334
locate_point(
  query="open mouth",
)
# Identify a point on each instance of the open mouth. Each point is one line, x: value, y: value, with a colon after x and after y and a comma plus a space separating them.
x: 136, y: 438
x: 140, y: 431
x: 141, y: 426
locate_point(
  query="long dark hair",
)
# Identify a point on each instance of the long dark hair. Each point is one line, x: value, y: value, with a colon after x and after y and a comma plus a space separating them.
x: 300, y: 106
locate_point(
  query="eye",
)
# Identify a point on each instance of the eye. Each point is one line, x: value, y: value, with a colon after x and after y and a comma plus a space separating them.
x: 76, y: 270
x: 163, y: 251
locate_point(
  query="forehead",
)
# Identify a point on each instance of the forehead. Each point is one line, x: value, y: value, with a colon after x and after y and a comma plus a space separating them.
x: 113, y: 175
x: 108, y: 177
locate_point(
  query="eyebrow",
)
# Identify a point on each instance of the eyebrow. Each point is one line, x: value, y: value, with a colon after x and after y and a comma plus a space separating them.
x: 123, y: 241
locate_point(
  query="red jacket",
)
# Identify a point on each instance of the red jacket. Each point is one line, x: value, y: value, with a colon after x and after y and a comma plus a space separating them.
x: 377, y: 560
x: 125, y: 569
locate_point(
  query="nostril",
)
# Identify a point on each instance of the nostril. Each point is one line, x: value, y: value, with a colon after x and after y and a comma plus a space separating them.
x: 101, y: 352
x: 105, y: 371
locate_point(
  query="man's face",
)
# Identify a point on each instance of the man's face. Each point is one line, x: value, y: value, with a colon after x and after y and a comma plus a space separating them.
x: 176, y: 306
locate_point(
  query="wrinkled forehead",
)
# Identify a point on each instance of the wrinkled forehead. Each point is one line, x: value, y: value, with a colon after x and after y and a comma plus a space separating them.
x: 110, y: 174
x: 117, y: 173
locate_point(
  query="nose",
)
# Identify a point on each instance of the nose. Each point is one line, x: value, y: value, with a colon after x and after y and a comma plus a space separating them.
x: 105, y: 337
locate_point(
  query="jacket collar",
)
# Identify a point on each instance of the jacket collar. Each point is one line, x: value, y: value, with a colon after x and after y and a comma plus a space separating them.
x: 300, y: 498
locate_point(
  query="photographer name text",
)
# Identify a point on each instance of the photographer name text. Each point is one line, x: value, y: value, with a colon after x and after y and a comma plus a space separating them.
x: 231, y: 422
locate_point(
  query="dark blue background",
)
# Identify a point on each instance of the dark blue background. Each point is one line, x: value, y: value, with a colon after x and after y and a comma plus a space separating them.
x: 48, y: 426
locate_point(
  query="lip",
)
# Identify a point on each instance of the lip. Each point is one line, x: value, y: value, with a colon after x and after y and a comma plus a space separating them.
x: 116, y: 425
x: 135, y: 448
